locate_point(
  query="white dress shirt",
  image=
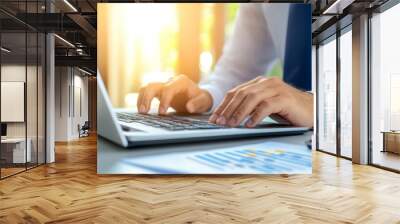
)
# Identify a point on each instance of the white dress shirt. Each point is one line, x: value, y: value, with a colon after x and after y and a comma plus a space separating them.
x: 257, y: 42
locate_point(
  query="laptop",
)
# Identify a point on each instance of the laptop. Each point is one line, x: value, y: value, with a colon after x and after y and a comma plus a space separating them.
x: 128, y: 128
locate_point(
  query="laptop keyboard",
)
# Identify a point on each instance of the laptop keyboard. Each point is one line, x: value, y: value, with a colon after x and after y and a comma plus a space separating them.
x: 171, y: 123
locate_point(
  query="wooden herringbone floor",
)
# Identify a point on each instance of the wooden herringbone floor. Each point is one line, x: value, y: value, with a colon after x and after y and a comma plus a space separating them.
x: 70, y: 191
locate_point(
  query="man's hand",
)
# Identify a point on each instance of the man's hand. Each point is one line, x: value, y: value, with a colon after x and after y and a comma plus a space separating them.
x: 262, y: 97
x: 180, y: 93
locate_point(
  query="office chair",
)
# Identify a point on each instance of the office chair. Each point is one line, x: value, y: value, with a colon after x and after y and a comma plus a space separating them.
x: 84, y: 130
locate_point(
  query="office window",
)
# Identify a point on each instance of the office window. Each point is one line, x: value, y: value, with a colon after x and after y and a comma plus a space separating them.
x: 176, y: 39
x: 385, y: 88
x: 217, y: 22
x: 327, y: 96
x: 346, y: 93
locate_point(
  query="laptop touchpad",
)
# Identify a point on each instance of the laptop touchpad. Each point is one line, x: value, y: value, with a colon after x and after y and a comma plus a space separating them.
x: 130, y: 129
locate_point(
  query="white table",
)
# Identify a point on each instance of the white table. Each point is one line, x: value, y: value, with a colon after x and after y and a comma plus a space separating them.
x: 19, y: 153
x: 111, y: 158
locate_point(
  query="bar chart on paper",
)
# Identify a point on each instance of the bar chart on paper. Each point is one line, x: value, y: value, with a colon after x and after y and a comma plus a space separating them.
x: 264, y: 158
x: 259, y: 159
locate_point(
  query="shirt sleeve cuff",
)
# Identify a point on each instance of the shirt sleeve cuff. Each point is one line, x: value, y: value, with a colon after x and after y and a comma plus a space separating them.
x: 216, y: 94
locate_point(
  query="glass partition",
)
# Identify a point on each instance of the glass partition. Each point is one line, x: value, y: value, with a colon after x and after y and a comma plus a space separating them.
x: 31, y: 99
x: 14, y: 154
x: 22, y: 88
x: 41, y: 97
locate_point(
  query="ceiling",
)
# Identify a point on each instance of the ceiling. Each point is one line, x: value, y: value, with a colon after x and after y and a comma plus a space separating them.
x: 74, y: 22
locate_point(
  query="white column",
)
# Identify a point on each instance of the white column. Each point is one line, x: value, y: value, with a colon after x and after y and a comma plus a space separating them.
x: 360, y: 90
x: 50, y: 99
x: 50, y: 92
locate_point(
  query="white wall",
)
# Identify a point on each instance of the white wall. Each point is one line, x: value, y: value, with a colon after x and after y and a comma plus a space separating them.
x: 71, y: 94
x: 34, y: 125
x: 80, y: 110
x: 12, y: 73
x: 62, y: 81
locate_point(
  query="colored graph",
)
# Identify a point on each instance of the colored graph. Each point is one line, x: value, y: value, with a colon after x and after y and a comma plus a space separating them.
x: 268, y: 160
x: 264, y: 158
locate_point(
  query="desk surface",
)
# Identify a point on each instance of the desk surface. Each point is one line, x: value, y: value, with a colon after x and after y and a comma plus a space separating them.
x: 113, y: 159
x: 391, y: 132
x: 13, y: 140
